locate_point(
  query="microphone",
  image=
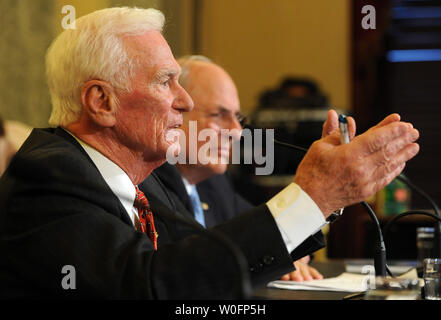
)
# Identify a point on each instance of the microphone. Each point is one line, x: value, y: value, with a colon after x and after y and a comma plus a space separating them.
x: 380, y: 260
x: 437, y: 243
x: 409, y: 213
x: 415, y: 212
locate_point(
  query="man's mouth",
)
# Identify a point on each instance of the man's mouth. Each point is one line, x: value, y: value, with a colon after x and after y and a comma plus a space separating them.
x: 172, y: 134
x: 176, y: 126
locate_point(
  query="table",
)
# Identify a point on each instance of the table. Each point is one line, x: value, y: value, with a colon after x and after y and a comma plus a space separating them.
x: 331, y: 268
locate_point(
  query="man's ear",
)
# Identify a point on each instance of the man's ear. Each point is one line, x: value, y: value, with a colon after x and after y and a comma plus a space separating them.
x: 98, y: 99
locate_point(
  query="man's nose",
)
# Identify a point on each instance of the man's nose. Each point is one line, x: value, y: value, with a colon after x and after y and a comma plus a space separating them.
x: 235, y: 128
x: 183, y: 101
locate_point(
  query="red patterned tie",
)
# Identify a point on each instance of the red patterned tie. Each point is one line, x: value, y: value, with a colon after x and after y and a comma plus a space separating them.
x: 146, y: 216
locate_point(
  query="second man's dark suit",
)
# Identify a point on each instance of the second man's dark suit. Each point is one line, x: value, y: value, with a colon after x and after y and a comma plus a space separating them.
x: 220, y: 202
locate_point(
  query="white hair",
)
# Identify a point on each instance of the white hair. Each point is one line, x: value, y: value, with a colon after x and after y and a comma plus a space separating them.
x: 94, y: 50
x: 186, y: 62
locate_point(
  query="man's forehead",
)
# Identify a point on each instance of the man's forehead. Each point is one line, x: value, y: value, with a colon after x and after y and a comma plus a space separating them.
x: 173, y: 70
x: 153, y: 51
x: 215, y: 96
x: 213, y: 105
x: 146, y: 40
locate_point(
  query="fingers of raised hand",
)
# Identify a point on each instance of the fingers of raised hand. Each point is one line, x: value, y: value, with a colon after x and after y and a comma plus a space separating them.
x: 376, y: 158
x: 396, y: 160
x: 389, y: 119
x: 385, y: 178
x: 375, y: 140
x: 401, y: 149
x: 377, y: 171
x: 385, y: 173
x: 396, y: 152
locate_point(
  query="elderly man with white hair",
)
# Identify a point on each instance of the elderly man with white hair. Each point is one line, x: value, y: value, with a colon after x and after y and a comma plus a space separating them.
x: 74, y: 222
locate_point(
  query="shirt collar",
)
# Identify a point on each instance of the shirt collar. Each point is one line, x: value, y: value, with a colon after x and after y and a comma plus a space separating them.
x: 188, y: 186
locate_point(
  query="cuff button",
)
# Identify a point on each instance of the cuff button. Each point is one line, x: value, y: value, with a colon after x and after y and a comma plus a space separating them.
x: 268, y: 260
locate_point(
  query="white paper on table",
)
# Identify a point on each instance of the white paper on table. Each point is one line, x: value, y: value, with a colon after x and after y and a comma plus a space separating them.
x: 346, y: 282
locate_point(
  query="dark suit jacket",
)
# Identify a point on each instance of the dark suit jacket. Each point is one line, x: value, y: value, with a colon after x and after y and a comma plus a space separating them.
x: 221, y: 202
x: 218, y: 194
x: 56, y: 210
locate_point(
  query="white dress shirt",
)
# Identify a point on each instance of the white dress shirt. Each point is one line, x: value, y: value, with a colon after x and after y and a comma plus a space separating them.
x: 296, y: 214
x: 291, y: 208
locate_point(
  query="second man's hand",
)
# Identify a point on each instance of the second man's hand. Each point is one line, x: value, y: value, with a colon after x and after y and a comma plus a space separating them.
x: 303, y: 272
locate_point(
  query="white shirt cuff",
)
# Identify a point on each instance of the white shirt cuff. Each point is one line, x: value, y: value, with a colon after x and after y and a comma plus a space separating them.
x: 296, y: 214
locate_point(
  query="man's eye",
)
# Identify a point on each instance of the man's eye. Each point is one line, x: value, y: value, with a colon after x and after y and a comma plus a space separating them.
x: 214, y: 115
x: 166, y: 83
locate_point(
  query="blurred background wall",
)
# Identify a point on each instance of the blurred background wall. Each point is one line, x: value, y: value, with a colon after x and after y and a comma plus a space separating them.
x: 261, y: 41
x: 257, y: 41
x: 26, y: 29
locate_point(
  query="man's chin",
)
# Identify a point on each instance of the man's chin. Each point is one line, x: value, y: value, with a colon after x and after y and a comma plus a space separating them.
x: 172, y: 147
x: 172, y: 137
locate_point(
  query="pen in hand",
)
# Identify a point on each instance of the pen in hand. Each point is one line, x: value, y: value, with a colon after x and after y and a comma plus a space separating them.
x: 344, y: 132
x: 344, y: 138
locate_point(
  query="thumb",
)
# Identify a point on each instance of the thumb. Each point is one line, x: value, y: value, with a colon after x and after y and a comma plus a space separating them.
x: 331, y: 123
x: 332, y: 139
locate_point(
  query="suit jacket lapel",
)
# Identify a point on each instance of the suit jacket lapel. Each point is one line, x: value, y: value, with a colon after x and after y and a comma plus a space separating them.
x: 172, y: 179
x: 100, y: 180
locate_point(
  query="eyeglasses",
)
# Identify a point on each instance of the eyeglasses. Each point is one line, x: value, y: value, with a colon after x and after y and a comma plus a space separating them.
x: 224, y: 117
